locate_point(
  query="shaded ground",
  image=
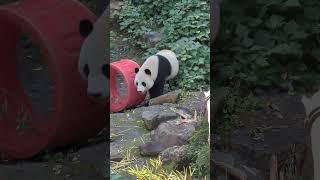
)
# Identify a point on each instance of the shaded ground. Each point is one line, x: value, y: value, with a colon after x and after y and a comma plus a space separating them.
x: 276, y: 129
x: 86, y: 162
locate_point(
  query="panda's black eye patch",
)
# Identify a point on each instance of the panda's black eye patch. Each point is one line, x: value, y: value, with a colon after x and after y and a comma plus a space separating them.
x: 85, y: 27
x: 136, y: 70
x: 144, y: 84
x: 106, y: 70
x: 136, y: 83
x: 86, y: 70
x: 147, y: 71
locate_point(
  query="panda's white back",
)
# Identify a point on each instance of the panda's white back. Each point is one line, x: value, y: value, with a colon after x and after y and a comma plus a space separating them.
x: 152, y: 64
x: 171, y: 56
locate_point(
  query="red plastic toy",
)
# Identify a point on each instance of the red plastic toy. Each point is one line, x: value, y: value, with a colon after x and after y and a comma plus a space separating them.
x: 54, y: 27
x: 132, y: 98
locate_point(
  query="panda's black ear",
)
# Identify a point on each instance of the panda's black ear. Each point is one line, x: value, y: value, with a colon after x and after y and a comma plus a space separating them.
x: 147, y: 71
x: 136, y: 70
x: 85, y: 27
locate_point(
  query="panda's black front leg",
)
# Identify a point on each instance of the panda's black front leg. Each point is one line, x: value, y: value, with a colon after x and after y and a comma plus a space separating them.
x: 157, y: 89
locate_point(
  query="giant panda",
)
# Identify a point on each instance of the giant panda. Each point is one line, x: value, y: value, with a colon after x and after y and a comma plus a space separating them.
x: 155, y: 71
x: 93, y: 65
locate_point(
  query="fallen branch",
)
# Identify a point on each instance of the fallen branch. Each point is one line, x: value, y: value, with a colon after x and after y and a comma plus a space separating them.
x: 181, y: 113
x: 170, y: 97
x: 273, y: 168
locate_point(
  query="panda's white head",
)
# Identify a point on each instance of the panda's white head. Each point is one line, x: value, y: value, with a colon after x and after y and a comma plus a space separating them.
x: 146, y: 74
x: 143, y: 80
x: 93, y: 65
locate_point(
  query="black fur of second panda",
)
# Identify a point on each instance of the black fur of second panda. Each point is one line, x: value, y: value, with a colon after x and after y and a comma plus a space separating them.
x: 164, y: 70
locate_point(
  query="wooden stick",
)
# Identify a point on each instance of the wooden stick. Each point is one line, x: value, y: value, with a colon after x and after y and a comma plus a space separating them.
x: 180, y: 113
x: 273, y: 168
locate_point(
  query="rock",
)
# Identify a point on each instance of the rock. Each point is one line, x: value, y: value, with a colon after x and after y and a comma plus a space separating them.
x: 167, y: 134
x: 166, y: 115
x: 239, y: 169
x: 153, y: 37
x: 117, y: 157
x: 223, y: 157
x: 194, y: 102
x: 150, y: 118
x: 114, y: 153
x: 173, y: 154
x: 151, y: 148
x: 170, y: 134
x: 150, y: 115
x: 137, y: 112
x: 170, y: 97
x: 153, y: 118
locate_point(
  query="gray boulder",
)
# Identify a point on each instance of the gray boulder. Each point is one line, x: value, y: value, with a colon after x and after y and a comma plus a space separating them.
x: 153, y: 118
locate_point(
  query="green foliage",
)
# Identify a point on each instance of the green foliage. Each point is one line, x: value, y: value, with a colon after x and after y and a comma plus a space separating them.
x: 238, y: 104
x: 198, y: 150
x: 269, y: 44
x: 186, y: 32
x: 184, y: 95
x: 156, y: 171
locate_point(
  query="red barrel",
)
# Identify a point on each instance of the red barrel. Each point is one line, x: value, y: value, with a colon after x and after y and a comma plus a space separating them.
x: 125, y: 68
x: 53, y: 26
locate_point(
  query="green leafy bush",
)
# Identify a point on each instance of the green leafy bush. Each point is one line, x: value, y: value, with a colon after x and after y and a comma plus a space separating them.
x: 198, y: 150
x: 237, y: 104
x: 269, y: 44
x: 186, y: 32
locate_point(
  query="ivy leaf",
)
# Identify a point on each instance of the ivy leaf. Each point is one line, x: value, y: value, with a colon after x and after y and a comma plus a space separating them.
x: 295, y: 49
x: 311, y: 13
x: 309, y: 2
x: 263, y: 38
x: 292, y: 3
x: 237, y: 48
x: 291, y: 27
x: 292, y: 48
x: 242, y: 31
x: 299, y: 35
x: 255, y: 22
x: 247, y: 42
x: 280, y: 49
x: 256, y: 48
x: 275, y: 21
x: 252, y: 78
x: 262, y: 62
x: 265, y: 83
